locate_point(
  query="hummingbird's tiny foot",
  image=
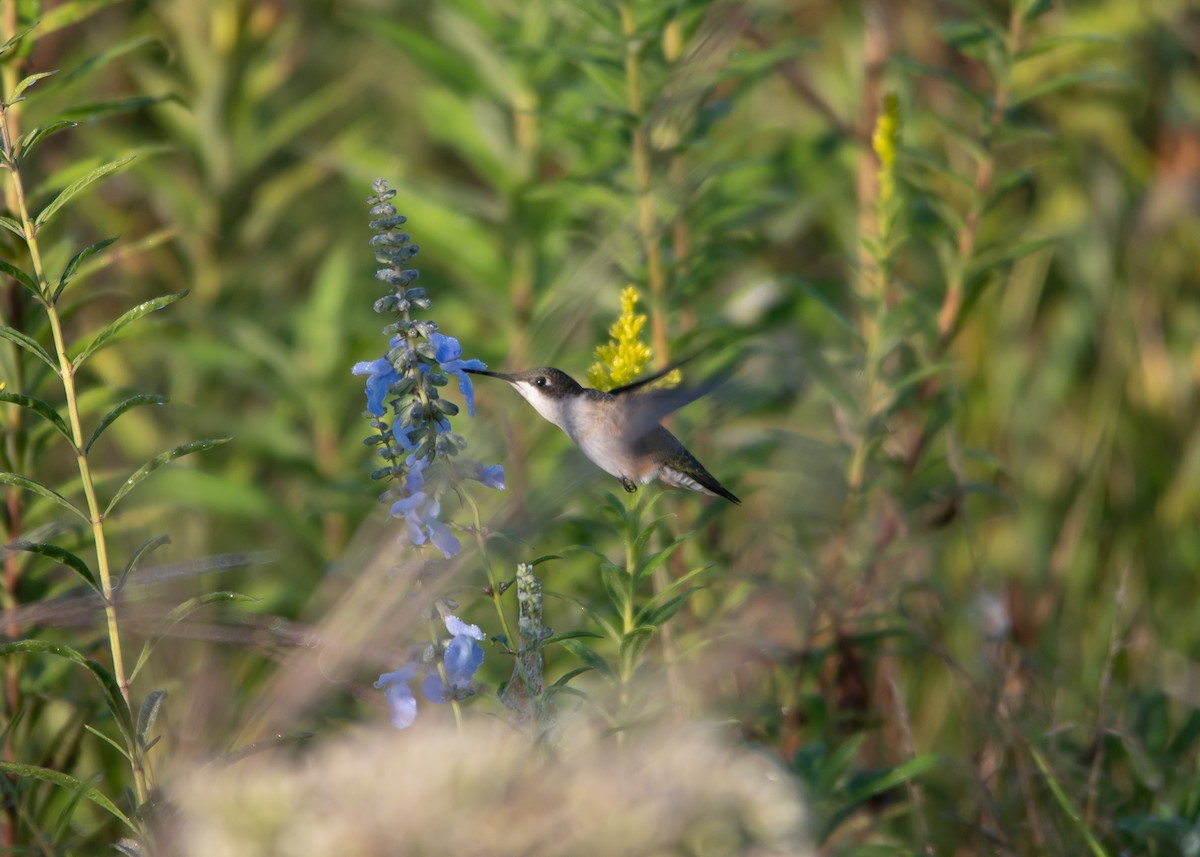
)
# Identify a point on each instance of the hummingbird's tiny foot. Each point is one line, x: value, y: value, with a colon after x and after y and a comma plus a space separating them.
x: 628, y: 485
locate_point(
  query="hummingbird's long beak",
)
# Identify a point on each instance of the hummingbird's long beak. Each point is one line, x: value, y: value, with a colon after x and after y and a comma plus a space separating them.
x: 503, y: 376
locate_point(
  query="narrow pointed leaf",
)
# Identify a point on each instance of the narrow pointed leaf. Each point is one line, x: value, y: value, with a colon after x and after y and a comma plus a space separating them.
x: 59, y: 555
x: 111, y: 416
x: 12, y: 226
x: 109, y: 741
x: 28, y: 82
x: 78, y: 259
x: 178, y: 615
x: 15, y: 40
x: 1072, y: 80
x: 38, y: 488
x: 96, y: 109
x: 41, y: 132
x: 148, y: 714
x: 261, y: 746
x: 105, y: 336
x: 15, y: 336
x: 66, y: 781
x: 632, y: 646
x: 77, y: 187
x: 161, y: 459
x: 102, y: 59
x: 112, y: 691
x: 43, y: 409
x: 62, y: 15
x: 135, y: 560
x: 20, y: 276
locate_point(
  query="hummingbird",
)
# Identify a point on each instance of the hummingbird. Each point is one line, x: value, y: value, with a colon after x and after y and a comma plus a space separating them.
x: 620, y: 431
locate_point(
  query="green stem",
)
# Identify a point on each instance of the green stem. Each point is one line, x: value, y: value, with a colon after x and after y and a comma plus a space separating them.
x: 66, y: 371
x: 493, y: 581
x: 640, y: 155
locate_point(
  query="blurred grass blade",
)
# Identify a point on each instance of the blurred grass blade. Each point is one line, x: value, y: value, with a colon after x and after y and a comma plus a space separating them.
x: 103, y: 337
x: 41, y: 408
x: 111, y: 416
x: 1065, y: 804
x: 38, y: 488
x: 77, y: 187
x: 35, y: 772
x: 59, y: 555
x: 160, y: 460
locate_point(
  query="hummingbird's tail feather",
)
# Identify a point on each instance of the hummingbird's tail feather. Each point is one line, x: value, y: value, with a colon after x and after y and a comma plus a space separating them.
x: 690, y: 473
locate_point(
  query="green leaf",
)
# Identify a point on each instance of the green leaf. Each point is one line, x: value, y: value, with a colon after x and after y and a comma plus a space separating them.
x: 78, y: 259
x: 35, y: 772
x: 632, y: 646
x: 178, y: 615
x: 160, y: 460
x: 43, y: 409
x: 565, y: 679
x: 1071, y: 80
x: 99, y: 109
x: 59, y: 555
x: 103, y: 337
x: 148, y: 714
x: 20, y: 276
x: 38, y: 488
x: 135, y: 560
x: 261, y: 746
x: 1049, y: 43
x: 71, y: 12
x: 77, y: 187
x: 102, y: 59
x: 109, y: 741
x: 656, y: 559
x: 111, y: 416
x: 28, y: 82
x: 15, y: 40
x: 112, y: 691
x: 1037, y: 8
x: 589, y: 657
x: 12, y: 226
x: 41, y: 132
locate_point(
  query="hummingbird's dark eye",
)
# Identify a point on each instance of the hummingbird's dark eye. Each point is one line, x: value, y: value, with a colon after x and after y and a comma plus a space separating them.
x: 541, y: 381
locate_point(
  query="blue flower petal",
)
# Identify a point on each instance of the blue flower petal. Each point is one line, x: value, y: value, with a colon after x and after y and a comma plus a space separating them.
x: 446, y: 348
x: 463, y: 657
x: 381, y: 375
x: 434, y: 689
x: 442, y: 538
x: 458, y: 628
x: 401, y: 702
x: 492, y: 476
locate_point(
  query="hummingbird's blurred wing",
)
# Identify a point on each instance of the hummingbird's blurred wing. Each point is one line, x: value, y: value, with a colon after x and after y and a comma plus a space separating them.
x: 645, y: 409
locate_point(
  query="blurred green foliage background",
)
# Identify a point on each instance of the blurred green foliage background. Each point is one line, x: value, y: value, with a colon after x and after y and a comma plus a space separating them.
x: 968, y: 452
